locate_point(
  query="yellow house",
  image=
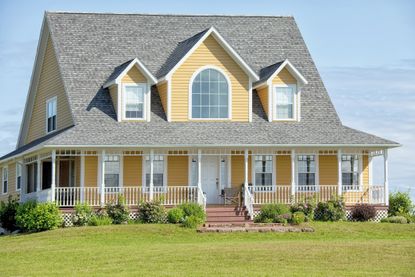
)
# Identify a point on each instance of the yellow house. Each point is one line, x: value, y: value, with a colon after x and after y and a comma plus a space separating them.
x: 208, y: 109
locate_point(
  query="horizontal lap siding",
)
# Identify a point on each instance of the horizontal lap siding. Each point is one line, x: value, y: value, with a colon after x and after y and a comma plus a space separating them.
x: 132, y: 170
x: 162, y: 89
x: 328, y: 170
x: 11, y: 183
x: 134, y: 76
x: 365, y: 171
x: 91, y: 171
x: 238, y: 170
x: 209, y: 53
x: 284, y: 77
x: 263, y: 97
x: 178, y: 170
x: 50, y: 85
x: 283, y: 170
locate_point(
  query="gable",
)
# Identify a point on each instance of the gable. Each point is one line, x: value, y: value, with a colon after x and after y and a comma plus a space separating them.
x: 209, y: 52
x: 134, y: 76
x: 284, y: 77
x: 49, y: 85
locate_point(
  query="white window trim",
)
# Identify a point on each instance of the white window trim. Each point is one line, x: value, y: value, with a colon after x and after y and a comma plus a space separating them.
x: 359, y: 171
x: 143, y: 172
x: 120, y: 173
x: 5, y: 168
x: 55, y: 98
x: 21, y: 175
x: 295, y: 102
x: 316, y: 174
x: 146, y: 102
x: 190, y: 116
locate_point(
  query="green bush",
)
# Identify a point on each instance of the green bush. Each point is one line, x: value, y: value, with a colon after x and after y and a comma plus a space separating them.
x: 151, y: 212
x: 192, y: 221
x: 298, y: 218
x: 193, y: 209
x: 363, y: 212
x: 277, y: 213
x: 83, y: 214
x: 175, y: 215
x: 118, y: 211
x: 332, y: 210
x: 8, y: 214
x: 35, y: 217
x: 307, y: 207
x: 400, y: 202
x: 99, y: 220
x: 395, y: 219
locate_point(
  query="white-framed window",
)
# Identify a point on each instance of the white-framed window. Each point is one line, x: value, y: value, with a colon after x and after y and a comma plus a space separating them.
x: 112, y: 170
x: 134, y: 101
x: 263, y: 168
x: 306, y: 168
x: 158, y: 171
x: 210, y: 95
x: 350, y: 172
x: 51, y: 113
x: 285, y: 102
x: 18, y: 176
x: 5, y: 180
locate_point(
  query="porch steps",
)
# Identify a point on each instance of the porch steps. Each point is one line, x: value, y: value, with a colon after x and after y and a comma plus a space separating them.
x: 226, y: 215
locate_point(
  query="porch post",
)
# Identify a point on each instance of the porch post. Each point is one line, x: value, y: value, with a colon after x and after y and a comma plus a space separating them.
x: 246, y: 168
x: 38, y: 179
x: 102, y: 177
x: 53, y: 177
x: 82, y: 177
x: 293, y: 174
x: 151, y: 174
x: 199, y: 168
x: 386, y: 176
x: 339, y: 173
x: 23, y: 188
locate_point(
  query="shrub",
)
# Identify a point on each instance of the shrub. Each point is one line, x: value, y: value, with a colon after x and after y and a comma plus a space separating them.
x: 306, y: 207
x: 151, y: 212
x: 35, y: 217
x: 400, y: 203
x: 8, y: 214
x: 395, y: 219
x: 298, y: 218
x: 175, y: 215
x: 83, y: 214
x: 117, y: 211
x: 332, y: 210
x: 277, y: 213
x: 193, y: 209
x: 363, y: 212
x: 99, y: 220
x: 192, y: 221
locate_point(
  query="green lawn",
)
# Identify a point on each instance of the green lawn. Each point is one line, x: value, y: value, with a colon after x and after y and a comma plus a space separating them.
x: 335, y: 249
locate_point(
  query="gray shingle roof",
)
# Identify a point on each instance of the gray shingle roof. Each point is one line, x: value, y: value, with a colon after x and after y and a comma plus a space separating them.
x: 90, y: 45
x: 117, y: 71
x: 266, y: 72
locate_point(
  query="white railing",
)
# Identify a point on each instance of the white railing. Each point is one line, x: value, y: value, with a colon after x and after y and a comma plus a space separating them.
x: 321, y: 193
x: 38, y: 196
x: 70, y: 196
x: 201, y: 198
x: 249, y: 201
x: 377, y: 194
x: 271, y: 194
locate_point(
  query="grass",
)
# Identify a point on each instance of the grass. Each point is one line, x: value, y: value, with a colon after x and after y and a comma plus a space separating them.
x: 335, y: 249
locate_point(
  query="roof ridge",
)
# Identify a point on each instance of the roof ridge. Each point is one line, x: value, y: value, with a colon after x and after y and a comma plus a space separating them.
x: 170, y: 14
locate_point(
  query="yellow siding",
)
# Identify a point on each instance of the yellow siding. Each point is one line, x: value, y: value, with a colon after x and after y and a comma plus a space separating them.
x: 162, y: 89
x: 114, y: 96
x: 178, y: 170
x: 238, y: 170
x: 283, y: 170
x: 91, y: 171
x: 132, y: 170
x: 328, y: 171
x: 209, y: 53
x: 365, y: 171
x: 284, y: 77
x: 11, y: 189
x: 50, y: 85
x: 263, y: 97
x: 134, y: 76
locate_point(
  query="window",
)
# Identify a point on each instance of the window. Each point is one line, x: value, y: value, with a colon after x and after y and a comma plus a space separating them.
x: 350, y: 172
x: 5, y: 179
x: 210, y: 95
x: 18, y: 176
x: 134, y: 96
x: 306, y: 173
x: 112, y: 171
x: 51, y: 109
x: 158, y: 171
x: 285, y: 102
x: 263, y: 171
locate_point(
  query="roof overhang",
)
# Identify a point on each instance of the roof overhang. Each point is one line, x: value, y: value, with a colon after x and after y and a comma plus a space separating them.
x: 235, y: 56
x: 140, y: 66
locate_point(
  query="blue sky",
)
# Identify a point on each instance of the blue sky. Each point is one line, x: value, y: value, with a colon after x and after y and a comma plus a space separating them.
x: 364, y: 51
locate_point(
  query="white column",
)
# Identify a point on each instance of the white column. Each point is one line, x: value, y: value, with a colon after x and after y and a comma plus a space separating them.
x: 102, y: 177
x: 23, y: 189
x: 293, y: 173
x: 246, y: 168
x: 199, y: 168
x: 151, y: 174
x: 386, y: 175
x: 38, y: 177
x: 53, y: 178
x: 339, y: 173
x: 82, y: 176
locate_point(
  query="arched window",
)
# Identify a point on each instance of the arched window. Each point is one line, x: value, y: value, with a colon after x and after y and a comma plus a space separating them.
x: 210, y: 95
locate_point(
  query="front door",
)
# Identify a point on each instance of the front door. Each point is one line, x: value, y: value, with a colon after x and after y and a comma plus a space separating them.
x: 210, y: 179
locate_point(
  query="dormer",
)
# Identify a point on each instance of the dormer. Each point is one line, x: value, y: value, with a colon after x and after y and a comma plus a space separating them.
x: 279, y: 90
x: 129, y: 86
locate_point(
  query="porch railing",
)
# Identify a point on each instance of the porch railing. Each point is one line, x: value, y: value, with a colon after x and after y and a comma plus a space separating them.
x: 271, y: 194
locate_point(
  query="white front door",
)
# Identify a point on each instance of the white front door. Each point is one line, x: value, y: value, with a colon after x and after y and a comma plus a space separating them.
x: 210, y: 179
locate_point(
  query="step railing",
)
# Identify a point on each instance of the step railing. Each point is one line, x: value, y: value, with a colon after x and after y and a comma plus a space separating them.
x: 249, y: 201
x: 201, y: 197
